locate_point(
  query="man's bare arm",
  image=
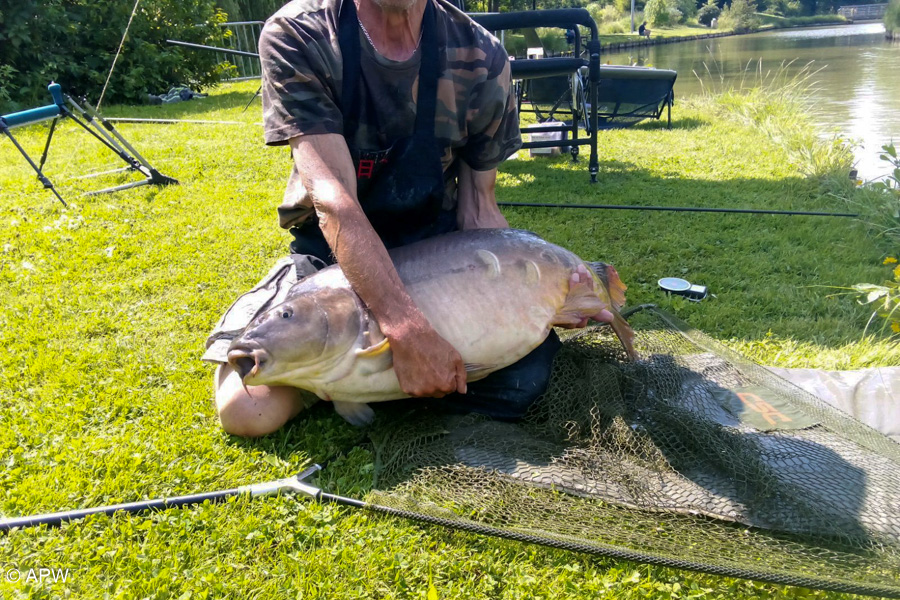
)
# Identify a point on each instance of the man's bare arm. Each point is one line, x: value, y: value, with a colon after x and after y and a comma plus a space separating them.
x: 477, y: 206
x: 425, y: 363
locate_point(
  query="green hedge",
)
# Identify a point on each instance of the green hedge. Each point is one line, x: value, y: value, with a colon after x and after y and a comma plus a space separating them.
x: 73, y: 42
x: 781, y: 22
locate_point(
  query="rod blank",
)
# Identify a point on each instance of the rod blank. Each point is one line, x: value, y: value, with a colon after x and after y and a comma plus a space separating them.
x: 752, y: 211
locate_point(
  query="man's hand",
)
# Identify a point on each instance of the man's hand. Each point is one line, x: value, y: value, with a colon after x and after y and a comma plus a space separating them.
x: 421, y: 358
x: 582, y: 279
x: 425, y: 363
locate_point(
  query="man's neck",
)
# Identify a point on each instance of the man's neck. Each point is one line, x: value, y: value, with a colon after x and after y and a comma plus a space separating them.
x: 394, y: 31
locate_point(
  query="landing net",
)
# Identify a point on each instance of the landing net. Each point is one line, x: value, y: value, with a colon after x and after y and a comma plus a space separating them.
x: 693, y: 457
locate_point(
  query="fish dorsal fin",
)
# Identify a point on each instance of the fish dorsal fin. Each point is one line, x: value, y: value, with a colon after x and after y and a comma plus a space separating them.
x: 610, y: 278
x: 489, y: 260
x: 374, y: 350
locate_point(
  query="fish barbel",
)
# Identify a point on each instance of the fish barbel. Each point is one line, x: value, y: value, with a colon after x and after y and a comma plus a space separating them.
x: 493, y: 294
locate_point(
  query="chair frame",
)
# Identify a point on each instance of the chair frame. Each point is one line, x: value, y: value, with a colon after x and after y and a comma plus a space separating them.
x: 521, y: 70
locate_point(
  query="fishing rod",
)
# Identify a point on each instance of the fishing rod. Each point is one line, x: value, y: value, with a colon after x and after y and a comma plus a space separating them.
x: 752, y: 211
x: 176, y: 121
x: 216, y: 48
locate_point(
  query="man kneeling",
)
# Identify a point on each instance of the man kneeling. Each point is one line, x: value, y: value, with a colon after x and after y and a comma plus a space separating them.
x: 397, y: 113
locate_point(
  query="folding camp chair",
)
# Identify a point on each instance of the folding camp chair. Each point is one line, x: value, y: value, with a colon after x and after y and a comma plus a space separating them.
x: 564, y: 70
x: 628, y: 95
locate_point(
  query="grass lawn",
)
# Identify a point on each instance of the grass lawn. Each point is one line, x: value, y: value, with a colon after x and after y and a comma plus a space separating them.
x: 104, y: 308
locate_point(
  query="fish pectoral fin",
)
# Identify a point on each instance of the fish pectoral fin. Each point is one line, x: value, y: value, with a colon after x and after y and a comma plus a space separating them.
x: 355, y: 413
x: 375, y: 350
x: 611, y: 280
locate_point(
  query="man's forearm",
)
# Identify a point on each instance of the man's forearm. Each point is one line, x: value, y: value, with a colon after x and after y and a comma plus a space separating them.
x: 477, y: 205
x: 331, y: 182
x: 424, y: 362
x: 368, y: 267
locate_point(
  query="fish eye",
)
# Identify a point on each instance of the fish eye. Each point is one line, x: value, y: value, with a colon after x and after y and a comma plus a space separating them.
x: 287, y: 313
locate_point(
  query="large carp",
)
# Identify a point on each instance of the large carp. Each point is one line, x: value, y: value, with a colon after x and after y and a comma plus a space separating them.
x: 493, y: 294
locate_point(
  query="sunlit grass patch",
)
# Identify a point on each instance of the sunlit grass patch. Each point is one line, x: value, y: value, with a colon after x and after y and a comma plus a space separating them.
x: 104, y: 308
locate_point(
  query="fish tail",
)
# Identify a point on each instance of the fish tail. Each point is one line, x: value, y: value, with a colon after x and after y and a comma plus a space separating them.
x: 610, y: 279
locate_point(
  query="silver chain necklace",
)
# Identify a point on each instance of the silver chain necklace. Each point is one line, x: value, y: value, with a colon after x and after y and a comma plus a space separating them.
x: 368, y: 37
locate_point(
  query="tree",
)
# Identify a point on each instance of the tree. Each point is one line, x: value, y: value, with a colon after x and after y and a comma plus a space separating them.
x: 708, y: 12
x: 740, y: 16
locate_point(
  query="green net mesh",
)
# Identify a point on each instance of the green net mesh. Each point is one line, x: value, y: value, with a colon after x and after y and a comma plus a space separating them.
x: 692, y: 457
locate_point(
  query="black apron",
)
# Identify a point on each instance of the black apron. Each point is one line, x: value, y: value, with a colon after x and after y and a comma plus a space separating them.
x: 400, y: 188
x: 401, y: 191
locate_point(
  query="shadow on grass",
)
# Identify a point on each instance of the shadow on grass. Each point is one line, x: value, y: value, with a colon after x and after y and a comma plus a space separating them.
x: 623, y: 182
x: 317, y: 433
x: 683, y: 123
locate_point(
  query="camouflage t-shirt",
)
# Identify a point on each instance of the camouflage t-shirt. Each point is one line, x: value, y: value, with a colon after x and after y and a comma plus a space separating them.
x: 475, y: 120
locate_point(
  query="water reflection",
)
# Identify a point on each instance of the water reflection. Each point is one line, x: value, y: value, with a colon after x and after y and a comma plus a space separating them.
x: 857, y: 76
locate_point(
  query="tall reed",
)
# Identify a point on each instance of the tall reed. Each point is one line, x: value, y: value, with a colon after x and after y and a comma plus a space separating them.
x: 782, y: 102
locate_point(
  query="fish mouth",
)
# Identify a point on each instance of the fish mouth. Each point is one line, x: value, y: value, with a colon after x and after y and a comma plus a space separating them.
x: 247, y: 362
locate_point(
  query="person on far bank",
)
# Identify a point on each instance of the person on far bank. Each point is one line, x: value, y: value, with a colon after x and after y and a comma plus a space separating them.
x: 643, y: 31
x: 397, y: 113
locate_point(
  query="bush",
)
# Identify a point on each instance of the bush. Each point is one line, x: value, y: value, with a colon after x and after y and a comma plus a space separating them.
x: 661, y: 12
x: 611, y: 13
x: 604, y: 13
x: 785, y: 8
x: 614, y: 28
x: 885, y: 298
x: 624, y: 6
x: 708, y: 12
x: 609, y: 18
x: 892, y: 18
x: 784, y: 22
x: 6, y: 74
x: 740, y: 16
x: 73, y: 43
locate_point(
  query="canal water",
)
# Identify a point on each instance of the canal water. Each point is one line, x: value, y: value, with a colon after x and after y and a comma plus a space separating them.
x: 857, y: 81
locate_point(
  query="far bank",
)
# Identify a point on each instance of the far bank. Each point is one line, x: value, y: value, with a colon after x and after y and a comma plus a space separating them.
x: 611, y: 43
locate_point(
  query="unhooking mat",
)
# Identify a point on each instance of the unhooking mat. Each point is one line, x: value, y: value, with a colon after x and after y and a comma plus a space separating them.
x: 692, y: 457
x: 870, y: 395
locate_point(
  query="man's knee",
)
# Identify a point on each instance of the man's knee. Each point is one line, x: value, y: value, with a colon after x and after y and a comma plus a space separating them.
x: 254, y: 411
x: 507, y: 394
